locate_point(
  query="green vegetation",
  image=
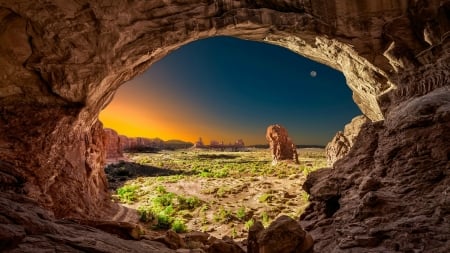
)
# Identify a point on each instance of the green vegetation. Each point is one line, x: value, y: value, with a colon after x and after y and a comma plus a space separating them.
x: 127, y: 193
x: 179, y: 226
x: 249, y: 224
x: 240, y: 213
x: 265, y: 219
x: 265, y: 197
x: 223, y: 216
x: 212, y: 191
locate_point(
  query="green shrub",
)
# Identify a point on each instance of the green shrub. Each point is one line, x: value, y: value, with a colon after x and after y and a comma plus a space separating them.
x: 265, y: 198
x: 178, y: 226
x: 265, y: 219
x: 127, y: 193
x: 160, y: 189
x: 163, y: 200
x: 249, y: 224
x: 222, y: 216
x: 240, y: 213
x: 146, y: 213
x: 188, y: 202
x: 163, y: 220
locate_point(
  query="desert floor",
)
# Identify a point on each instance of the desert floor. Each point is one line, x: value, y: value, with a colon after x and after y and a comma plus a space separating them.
x: 218, y: 192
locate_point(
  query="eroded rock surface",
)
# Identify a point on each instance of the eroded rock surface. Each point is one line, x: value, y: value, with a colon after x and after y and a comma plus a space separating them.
x: 113, y: 145
x: 281, y: 146
x: 343, y: 141
x: 284, y: 235
x: 390, y: 194
x: 62, y: 61
x: 26, y: 227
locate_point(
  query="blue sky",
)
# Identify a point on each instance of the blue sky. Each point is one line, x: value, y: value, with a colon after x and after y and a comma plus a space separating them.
x: 224, y: 88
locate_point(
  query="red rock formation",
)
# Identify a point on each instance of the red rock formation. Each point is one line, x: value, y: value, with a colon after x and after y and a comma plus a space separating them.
x: 391, y: 188
x: 62, y: 61
x: 342, y: 142
x: 281, y: 145
x: 113, y: 144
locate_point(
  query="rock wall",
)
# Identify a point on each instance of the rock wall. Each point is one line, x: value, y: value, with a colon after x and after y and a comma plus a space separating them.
x: 62, y: 62
x: 343, y: 141
x: 390, y: 193
x: 113, y: 144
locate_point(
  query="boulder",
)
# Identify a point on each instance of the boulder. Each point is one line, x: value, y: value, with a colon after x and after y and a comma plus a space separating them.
x: 281, y: 145
x: 224, y: 246
x: 284, y: 235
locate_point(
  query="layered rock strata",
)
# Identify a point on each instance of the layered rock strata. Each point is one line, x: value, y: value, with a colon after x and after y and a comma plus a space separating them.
x: 391, y: 192
x: 62, y: 62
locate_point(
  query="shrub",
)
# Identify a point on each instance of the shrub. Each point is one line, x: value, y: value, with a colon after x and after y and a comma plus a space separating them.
x: 163, y: 200
x: 164, y: 220
x: 160, y: 189
x: 145, y: 213
x: 265, y: 219
x: 188, y: 202
x: 222, y: 215
x: 240, y: 213
x: 178, y: 226
x: 265, y: 198
x: 127, y: 193
x: 249, y: 224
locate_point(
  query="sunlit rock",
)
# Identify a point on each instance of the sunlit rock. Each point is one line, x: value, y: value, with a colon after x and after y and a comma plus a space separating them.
x: 342, y: 142
x: 281, y: 146
x: 62, y: 61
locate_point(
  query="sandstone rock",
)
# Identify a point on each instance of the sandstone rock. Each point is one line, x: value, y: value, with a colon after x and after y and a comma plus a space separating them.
x: 281, y: 145
x: 26, y: 227
x: 390, y: 190
x: 224, y: 246
x: 62, y: 62
x: 252, y: 238
x: 196, y: 236
x: 284, y: 235
x: 172, y: 240
x: 124, y: 230
x: 113, y: 145
x: 342, y: 142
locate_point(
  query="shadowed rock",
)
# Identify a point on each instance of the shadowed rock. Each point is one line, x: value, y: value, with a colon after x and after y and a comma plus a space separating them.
x: 62, y: 61
x: 284, y: 235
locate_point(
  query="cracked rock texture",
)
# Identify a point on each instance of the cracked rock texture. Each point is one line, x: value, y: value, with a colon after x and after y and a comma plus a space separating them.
x: 62, y: 61
x: 391, y: 193
x: 342, y: 142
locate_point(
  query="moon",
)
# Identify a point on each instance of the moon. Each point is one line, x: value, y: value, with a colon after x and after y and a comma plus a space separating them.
x: 313, y: 73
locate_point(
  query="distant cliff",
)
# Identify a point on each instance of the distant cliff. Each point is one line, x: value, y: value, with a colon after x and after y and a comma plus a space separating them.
x: 117, y: 144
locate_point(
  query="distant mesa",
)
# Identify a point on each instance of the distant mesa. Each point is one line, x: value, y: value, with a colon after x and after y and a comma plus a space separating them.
x: 238, y: 145
x: 281, y: 146
x: 116, y: 144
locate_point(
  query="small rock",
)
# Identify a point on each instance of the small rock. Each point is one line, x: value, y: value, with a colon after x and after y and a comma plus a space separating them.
x: 284, y: 235
x: 222, y: 246
x: 172, y: 240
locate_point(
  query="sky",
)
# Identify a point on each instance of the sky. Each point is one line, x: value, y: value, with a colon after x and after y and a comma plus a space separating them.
x: 225, y: 89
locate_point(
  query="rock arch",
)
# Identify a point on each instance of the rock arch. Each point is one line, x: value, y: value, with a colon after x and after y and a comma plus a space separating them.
x: 63, y: 60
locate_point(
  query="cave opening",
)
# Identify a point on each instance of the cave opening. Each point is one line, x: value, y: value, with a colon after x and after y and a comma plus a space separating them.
x: 225, y: 88
x: 221, y: 89
x: 62, y: 63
